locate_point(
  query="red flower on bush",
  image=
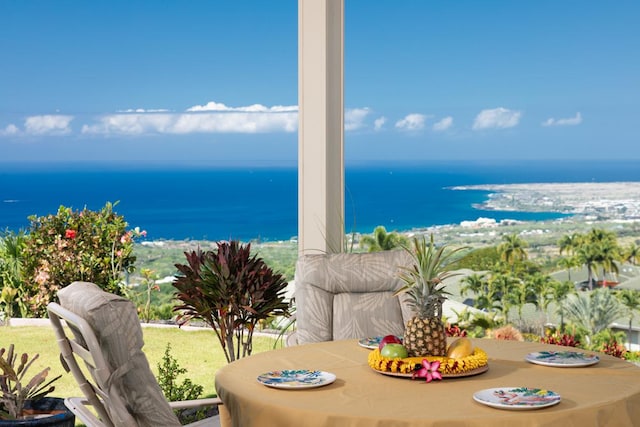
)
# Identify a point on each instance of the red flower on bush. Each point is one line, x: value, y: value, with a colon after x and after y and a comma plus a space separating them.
x: 70, y: 234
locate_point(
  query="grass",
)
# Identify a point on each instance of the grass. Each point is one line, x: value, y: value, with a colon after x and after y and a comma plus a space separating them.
x: 199, y: 352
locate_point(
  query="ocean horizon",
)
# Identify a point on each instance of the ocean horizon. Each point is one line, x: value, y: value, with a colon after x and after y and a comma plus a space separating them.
x: 249, y: 203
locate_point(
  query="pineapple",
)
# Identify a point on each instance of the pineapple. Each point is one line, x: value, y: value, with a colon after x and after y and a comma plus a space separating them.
x: 425, y: 333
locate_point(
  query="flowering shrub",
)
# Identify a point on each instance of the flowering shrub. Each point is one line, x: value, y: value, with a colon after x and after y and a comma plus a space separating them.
x: 561, y: 339
x: 93, y: 246
x: 612, y: 348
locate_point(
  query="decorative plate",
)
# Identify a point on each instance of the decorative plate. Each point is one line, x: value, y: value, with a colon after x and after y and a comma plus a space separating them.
x: 477, y: 371
x: 517, y: 398
x: 295, y: 379
x: 371, y: 342
x: 562, y: 359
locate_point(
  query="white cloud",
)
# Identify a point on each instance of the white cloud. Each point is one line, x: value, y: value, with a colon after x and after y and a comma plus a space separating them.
x: 142, y: 110
x: 212, y: 117
x: 255, y: 108
x: 411, y: 122
x: 443, y: 124
x: 10, y: 130
x: 232, y: 122
x: 572, y: 121
x: 499, y: 118
x: 354, y: 118
x: 379, y: 123
x: 48, y: 125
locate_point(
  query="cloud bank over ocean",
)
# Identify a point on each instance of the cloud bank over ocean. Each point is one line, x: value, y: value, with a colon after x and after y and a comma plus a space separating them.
x: 217, y: 118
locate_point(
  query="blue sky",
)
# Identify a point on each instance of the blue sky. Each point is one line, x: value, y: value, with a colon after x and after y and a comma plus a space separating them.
x: 215, y: 82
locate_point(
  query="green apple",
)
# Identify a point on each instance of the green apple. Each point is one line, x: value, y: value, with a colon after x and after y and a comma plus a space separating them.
x: 394, y: 350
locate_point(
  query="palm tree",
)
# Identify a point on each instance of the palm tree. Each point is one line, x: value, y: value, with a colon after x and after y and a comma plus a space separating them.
x: 512, y: 250
x: 383, y: 241
x: 558, y: 293
x: 607, y: 257
x: 478, y: 285
x: 632, y: 253
x: 630, y: 299
x: 569, y: 243
x: 587, y: 255
x: 594, y: 311
x: 500, y: 287
x: 568, y: 263
x: 474, y: 283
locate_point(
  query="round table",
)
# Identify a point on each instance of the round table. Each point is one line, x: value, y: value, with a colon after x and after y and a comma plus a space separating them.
x: 605, y: 394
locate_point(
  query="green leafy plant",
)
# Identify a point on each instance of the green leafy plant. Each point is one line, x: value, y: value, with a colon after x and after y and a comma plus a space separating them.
x: 168, y: 372
x: 93, y: 246
x: 11, y: 274
x: 231, y: 291
x: 15, y: 391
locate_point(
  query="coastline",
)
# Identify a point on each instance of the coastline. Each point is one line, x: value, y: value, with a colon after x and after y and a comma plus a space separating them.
x: 611, y: 200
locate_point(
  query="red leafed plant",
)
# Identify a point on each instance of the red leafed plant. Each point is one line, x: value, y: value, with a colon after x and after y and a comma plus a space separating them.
x: 612, y: 348
x: 561, y: 339
x: 455, y: 331
x: 231, y: 291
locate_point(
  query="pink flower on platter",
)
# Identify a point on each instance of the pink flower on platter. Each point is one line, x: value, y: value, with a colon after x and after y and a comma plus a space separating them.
x: 429, y: 371
x: 70, y: 234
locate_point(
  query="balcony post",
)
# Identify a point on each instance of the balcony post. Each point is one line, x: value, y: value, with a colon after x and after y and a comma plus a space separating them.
x: 321, y: 126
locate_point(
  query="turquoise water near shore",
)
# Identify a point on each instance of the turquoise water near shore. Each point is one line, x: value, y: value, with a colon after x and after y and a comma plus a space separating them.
x: 261, y: 203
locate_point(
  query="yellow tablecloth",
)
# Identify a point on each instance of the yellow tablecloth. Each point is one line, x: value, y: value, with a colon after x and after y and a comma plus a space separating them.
x: 606, y: 394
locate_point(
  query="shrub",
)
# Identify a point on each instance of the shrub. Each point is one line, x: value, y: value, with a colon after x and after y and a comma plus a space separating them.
x: 92, y: 246
x: 231, y: 291
x: 168, y: 372
x: 557, y: 338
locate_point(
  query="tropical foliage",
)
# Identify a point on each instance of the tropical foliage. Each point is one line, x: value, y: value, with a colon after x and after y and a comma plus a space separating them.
x: 383, y: 241
x: 12, y: 289
x: 93, y: 246
x: 594, y: 311
x: 231, y: 291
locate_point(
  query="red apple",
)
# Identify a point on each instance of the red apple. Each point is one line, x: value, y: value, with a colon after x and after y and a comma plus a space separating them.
x: 389, y: 339
x: 393, y: 350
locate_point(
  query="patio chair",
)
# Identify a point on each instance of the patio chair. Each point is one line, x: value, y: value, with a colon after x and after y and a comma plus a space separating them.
x: 120, y: 390
x: 350, y: 295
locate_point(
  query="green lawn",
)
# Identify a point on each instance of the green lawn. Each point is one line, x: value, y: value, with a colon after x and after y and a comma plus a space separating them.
x: 197, y: 351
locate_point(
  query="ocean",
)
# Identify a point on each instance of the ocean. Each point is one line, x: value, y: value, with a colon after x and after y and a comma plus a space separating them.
x: 261, y: 203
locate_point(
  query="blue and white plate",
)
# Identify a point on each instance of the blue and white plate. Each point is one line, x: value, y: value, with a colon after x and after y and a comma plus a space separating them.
x: 296, y: 378
x: 517, y: 398
x: 562, y: 359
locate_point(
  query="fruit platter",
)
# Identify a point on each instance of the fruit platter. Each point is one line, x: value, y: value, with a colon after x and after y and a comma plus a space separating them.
x: 461, y: 360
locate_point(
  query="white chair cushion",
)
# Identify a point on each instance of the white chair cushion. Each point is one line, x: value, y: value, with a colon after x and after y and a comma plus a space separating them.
x: 340, y: 296
x: 117, y: 328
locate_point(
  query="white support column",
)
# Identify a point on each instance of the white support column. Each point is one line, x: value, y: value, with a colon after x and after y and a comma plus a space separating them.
x: 321, y: 126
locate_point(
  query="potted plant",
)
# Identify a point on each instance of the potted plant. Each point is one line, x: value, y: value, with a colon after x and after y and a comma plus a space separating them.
x: 231, y: 291
x: 24, y: 403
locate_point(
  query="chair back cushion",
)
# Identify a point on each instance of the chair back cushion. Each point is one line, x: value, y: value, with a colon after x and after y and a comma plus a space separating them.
x: 117, y: 328
x: 350, y: 295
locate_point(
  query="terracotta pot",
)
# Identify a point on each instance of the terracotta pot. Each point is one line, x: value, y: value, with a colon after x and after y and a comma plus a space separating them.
x: 46, y: 412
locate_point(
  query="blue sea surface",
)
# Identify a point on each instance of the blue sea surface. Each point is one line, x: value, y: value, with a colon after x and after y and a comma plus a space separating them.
x: 261, y: 203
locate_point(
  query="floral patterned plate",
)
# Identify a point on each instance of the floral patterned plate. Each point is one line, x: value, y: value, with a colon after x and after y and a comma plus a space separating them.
x: 296, y: 379
x: 371, y: 342
x: 517, y: 398
x: 562, y: 359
